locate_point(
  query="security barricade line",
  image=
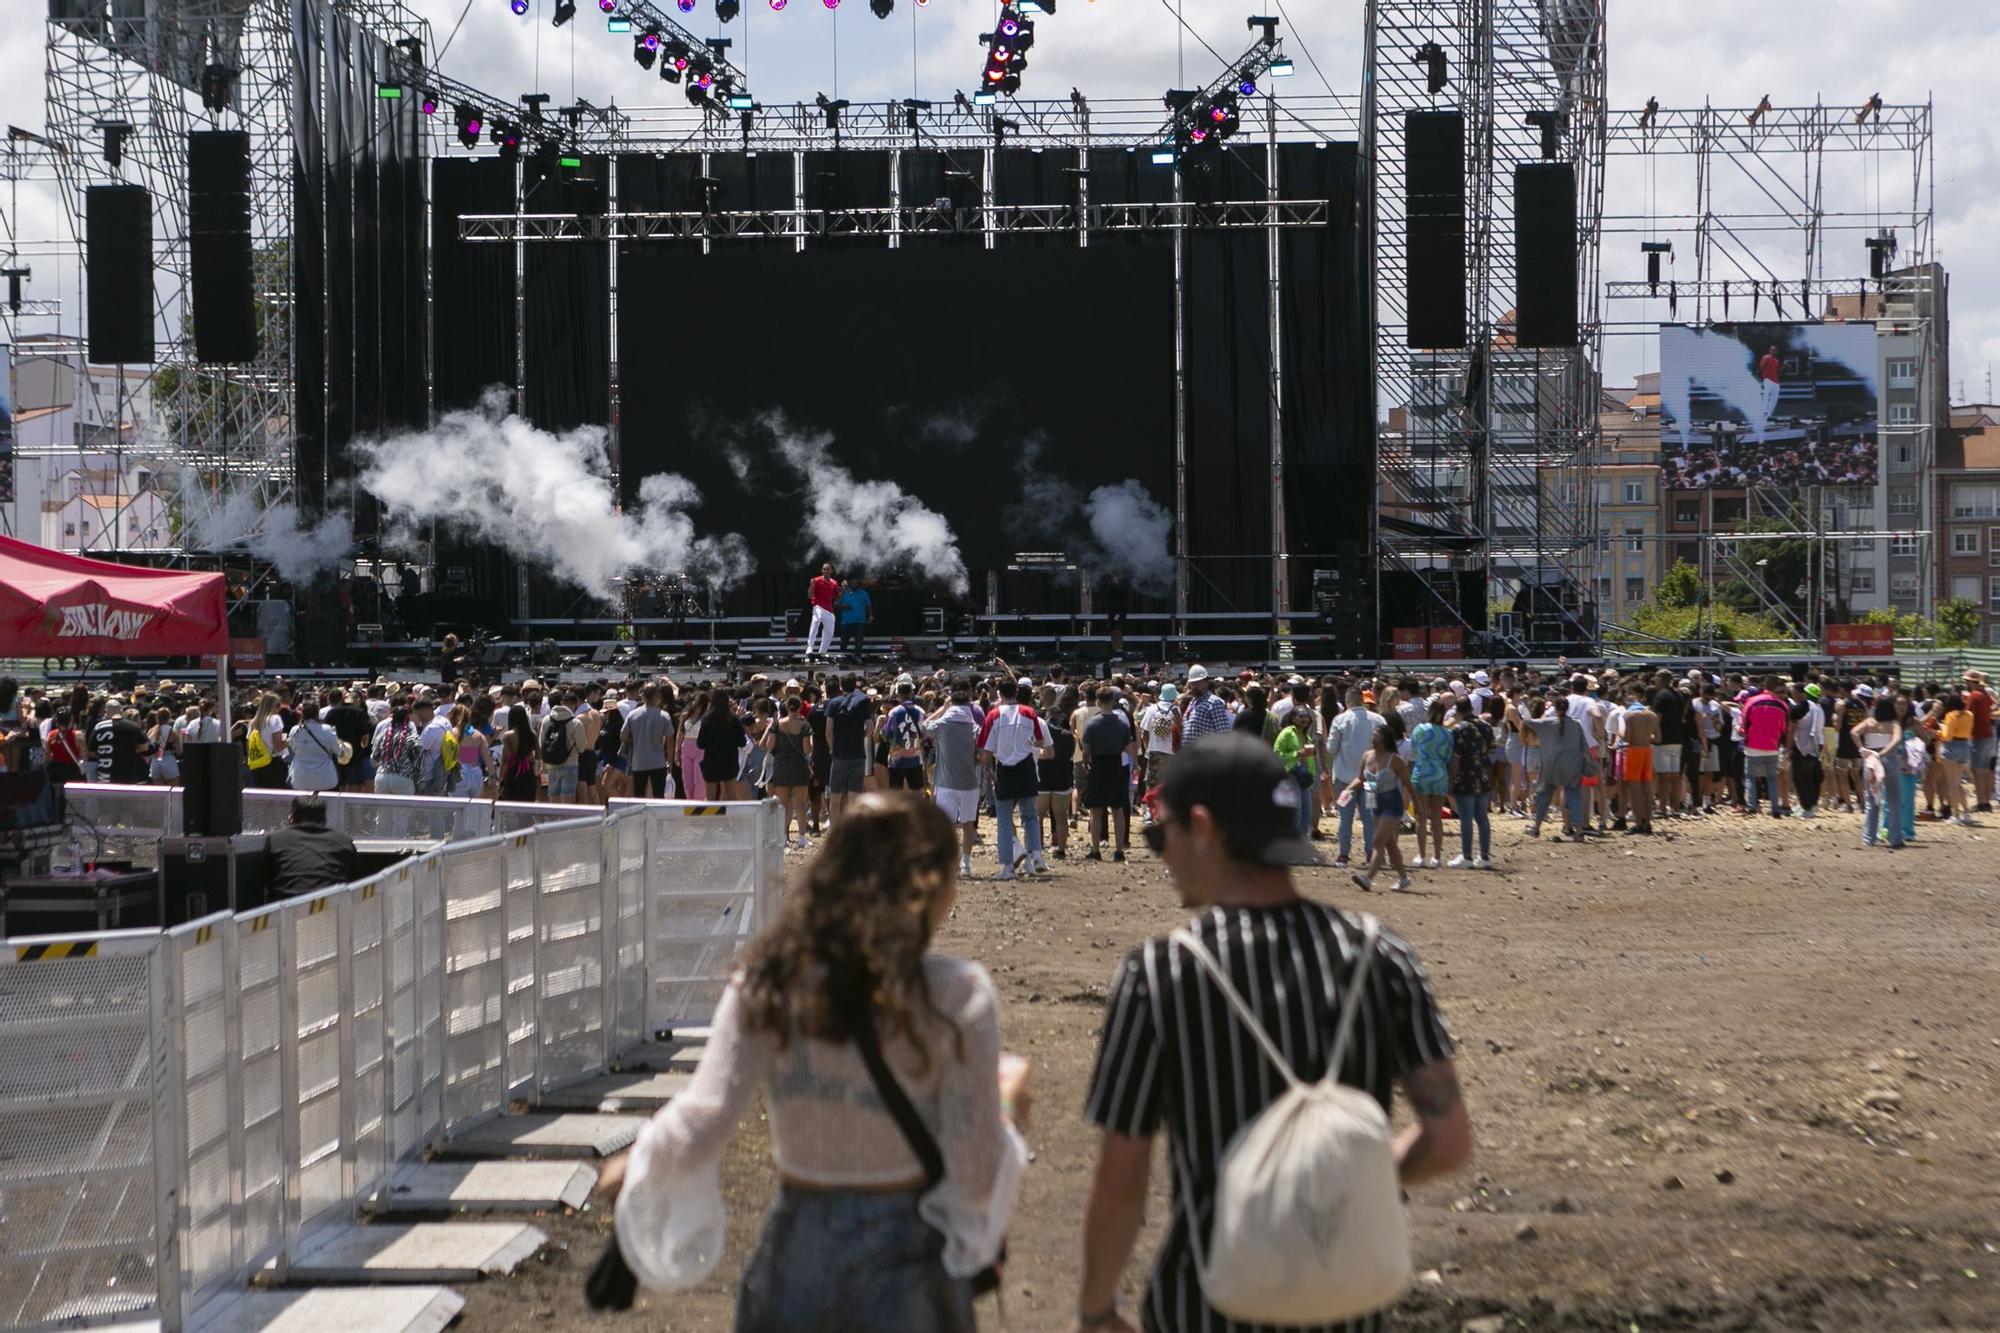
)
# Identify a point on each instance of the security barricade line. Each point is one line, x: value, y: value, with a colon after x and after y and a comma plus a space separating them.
x: 183, y: 1109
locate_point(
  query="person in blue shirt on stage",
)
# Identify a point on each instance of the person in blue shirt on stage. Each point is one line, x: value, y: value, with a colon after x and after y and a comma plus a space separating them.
x: 856, y: 611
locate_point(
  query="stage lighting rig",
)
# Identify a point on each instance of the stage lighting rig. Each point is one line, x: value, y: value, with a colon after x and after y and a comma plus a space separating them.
x: 727, y: 10
x: 1006, y: 52
x: 520, y: 8
x: 508, y: 136
x: 1203, y: 118
x: 469, y: 124
x: 1431, y: 56
x: 646, y: 48
x: 565, y: 11
x: 881, y: 9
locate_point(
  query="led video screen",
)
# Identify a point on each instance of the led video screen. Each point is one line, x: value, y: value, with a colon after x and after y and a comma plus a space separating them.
x: 1746, y: 405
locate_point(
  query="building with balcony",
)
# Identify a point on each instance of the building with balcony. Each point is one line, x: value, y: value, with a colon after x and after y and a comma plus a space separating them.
x: 1967, y: 500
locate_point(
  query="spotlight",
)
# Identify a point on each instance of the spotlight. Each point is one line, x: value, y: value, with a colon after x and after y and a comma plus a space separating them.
x: 644, y: 48
x: 565, y: 11
x: 685, y: 6
x: 520, y: 8
x: 1038, y: 6
x: 469, y: 127
x: 984, y: 97
x: 1248, y: 87
x: 1163, y: 156
x: 1282, y: 68
x: 669, y: 72
x: 923, y: 4
x: 607, y: 6
x: 742, y: 102
x: 430, y: 104
x: 725, y: 10
x: 508, y: 136
x: 881, y: 9
x: 778, y: 6
x: 697, y: 95
x: 1431, y: 56
x: 619, y: 25
x: 217, y: 83
x: 831, y: 4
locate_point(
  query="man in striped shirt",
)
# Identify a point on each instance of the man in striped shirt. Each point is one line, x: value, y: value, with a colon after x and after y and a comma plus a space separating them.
x: 1206, y: 713
x: 1172, y: 1051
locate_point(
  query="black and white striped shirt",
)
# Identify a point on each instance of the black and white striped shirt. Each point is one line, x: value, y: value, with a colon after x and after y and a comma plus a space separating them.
x: 1173, y: 1050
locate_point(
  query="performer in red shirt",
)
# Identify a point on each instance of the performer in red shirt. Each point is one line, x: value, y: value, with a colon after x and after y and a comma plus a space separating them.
x: 1768, y: 368
x: 825, y: 588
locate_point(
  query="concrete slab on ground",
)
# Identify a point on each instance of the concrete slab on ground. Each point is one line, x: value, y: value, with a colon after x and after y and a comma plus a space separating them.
x: 424, y: 1309
x: 527, y: 1137
x: 424, y: 1252
x: 486, y: 1187
x: 613, y: 1093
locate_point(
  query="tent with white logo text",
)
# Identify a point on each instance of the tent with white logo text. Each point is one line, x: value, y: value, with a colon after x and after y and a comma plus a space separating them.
x: 54, y: 604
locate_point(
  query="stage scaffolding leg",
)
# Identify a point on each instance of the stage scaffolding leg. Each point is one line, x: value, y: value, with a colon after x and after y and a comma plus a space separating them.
x: 1280, y: 575
x: 1180, y: 425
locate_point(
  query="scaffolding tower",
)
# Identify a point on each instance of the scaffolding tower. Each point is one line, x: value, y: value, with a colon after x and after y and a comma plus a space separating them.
x: 1483, y: 450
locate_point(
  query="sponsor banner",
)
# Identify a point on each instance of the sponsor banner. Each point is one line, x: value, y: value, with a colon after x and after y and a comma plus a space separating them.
x: 1860, y: 640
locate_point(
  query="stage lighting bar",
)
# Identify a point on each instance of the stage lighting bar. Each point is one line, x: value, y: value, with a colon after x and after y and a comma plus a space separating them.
x: 1006, y: 53
x: 644, y: 16
x: 1202, y: 119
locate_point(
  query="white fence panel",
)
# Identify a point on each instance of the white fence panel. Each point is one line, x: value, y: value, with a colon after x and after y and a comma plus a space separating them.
x: 523, y: 918
x: 570, y: 986
x: 701, y: 897
x: 319, y: 1029
x: 87, y: 1112
x: 473, y: 981
x: 122, y: 822
x: 629, y: 834
x: 204, y: 963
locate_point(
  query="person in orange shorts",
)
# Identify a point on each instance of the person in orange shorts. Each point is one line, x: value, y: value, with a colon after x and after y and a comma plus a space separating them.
x: 1642, y: 732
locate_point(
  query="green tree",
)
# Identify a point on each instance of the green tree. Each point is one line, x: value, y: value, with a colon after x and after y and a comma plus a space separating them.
x: 1679, y: 587
x: 1957, y: 622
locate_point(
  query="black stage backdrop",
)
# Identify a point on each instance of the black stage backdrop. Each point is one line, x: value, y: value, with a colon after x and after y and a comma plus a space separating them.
x: 1227, y: 294
x: 1324, y: 336
x: 358, y: 256
x: 566, y: 310
x: 473, y: 283
x: 877, y: 346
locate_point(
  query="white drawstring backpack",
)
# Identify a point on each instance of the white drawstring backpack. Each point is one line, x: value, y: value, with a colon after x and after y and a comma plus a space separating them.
x: 1308, y: 1218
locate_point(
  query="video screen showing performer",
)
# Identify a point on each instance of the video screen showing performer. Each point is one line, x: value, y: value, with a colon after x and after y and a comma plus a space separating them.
x: 1746, y: 405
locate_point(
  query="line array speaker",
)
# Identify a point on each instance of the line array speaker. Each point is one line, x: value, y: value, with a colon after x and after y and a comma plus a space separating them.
x: 1434, y: 206
x: 225, y: 313
x: 1545, y: 258
x: 118, y: 300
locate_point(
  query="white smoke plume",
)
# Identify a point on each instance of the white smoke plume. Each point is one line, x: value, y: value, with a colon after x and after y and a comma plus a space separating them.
x: 1129, y: 531
x: 545, y: 497
x: 238, y: 520
x: 872, y: 526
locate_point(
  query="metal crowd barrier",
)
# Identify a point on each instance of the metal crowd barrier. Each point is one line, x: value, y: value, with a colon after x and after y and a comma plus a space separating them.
x: 180, y: 1110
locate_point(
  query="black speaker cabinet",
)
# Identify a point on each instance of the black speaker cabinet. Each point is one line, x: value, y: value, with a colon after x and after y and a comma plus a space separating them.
x: 212, y: 789
x: 203, y: 875
x: 118, y: 294
x: 1545, y: 254
x: 1434, y: 212
x: 225, y: 318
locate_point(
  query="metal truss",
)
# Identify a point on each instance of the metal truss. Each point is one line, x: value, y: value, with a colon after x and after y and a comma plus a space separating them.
x: 1769, y: 207
x: 1486, y: 470
x: 927, y: 220
x: 220, y: 426
x: 1047, y: 124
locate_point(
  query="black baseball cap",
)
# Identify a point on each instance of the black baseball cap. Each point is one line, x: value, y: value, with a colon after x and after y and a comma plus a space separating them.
x: 1249, y: 793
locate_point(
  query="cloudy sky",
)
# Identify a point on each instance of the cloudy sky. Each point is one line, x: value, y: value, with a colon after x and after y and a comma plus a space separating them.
x: 1683, y: 52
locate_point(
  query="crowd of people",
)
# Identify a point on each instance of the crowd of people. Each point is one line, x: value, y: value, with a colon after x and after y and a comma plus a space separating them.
x: 1062, y: 764
x: 896, y: 1115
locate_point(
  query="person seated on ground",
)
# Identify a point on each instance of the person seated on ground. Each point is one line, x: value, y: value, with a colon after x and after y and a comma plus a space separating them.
x: 306, y: 855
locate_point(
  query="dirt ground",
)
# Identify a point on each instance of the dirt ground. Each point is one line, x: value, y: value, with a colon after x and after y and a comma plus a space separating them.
x: 1738, y: 1075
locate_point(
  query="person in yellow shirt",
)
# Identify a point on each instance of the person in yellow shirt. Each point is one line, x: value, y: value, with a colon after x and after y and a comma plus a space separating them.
x: 1954, y: 753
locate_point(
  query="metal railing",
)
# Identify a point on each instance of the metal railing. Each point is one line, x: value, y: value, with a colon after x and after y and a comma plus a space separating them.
x: 183, y: 1109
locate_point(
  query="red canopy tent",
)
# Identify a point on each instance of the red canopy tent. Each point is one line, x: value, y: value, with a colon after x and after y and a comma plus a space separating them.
x: 55, y: 604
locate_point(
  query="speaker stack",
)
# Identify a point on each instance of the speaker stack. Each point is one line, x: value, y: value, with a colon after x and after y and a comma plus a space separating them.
x: 1434, y: 209
x: 225, y: 313
x: 118, y: 297
x: 1545, y: 254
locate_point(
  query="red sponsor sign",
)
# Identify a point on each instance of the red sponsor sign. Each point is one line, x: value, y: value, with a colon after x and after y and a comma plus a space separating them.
x: 244, y: 655
x: 1860, y: 640
x: 1448, y: 643
x: 1410, y: 644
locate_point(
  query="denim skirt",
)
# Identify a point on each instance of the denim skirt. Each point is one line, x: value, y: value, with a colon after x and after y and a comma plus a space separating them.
x: 838, y: 1261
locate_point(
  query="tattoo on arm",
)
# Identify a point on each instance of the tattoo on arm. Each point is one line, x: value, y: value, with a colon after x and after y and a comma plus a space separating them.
x: 1432, y: 1088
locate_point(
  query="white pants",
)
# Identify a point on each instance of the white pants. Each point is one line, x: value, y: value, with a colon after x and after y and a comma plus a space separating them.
x: 819, y: 638
x: 1767, y: 391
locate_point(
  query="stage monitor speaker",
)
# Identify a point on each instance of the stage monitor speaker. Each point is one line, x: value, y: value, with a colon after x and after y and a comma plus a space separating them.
x: 225, y: 312
x: 1434, y: 209
x: 1545, y: 254
x: 212, y: 795
x: 118, y: 249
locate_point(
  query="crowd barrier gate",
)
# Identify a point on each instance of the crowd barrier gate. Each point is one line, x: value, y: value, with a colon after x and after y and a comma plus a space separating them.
x: 184, y: 1108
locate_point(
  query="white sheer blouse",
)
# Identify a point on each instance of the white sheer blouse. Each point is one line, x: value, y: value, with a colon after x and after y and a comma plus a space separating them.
x: 829, y: 1128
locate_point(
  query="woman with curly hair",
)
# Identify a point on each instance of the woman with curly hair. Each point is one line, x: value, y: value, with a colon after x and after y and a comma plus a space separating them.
x: 858, y: 1239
